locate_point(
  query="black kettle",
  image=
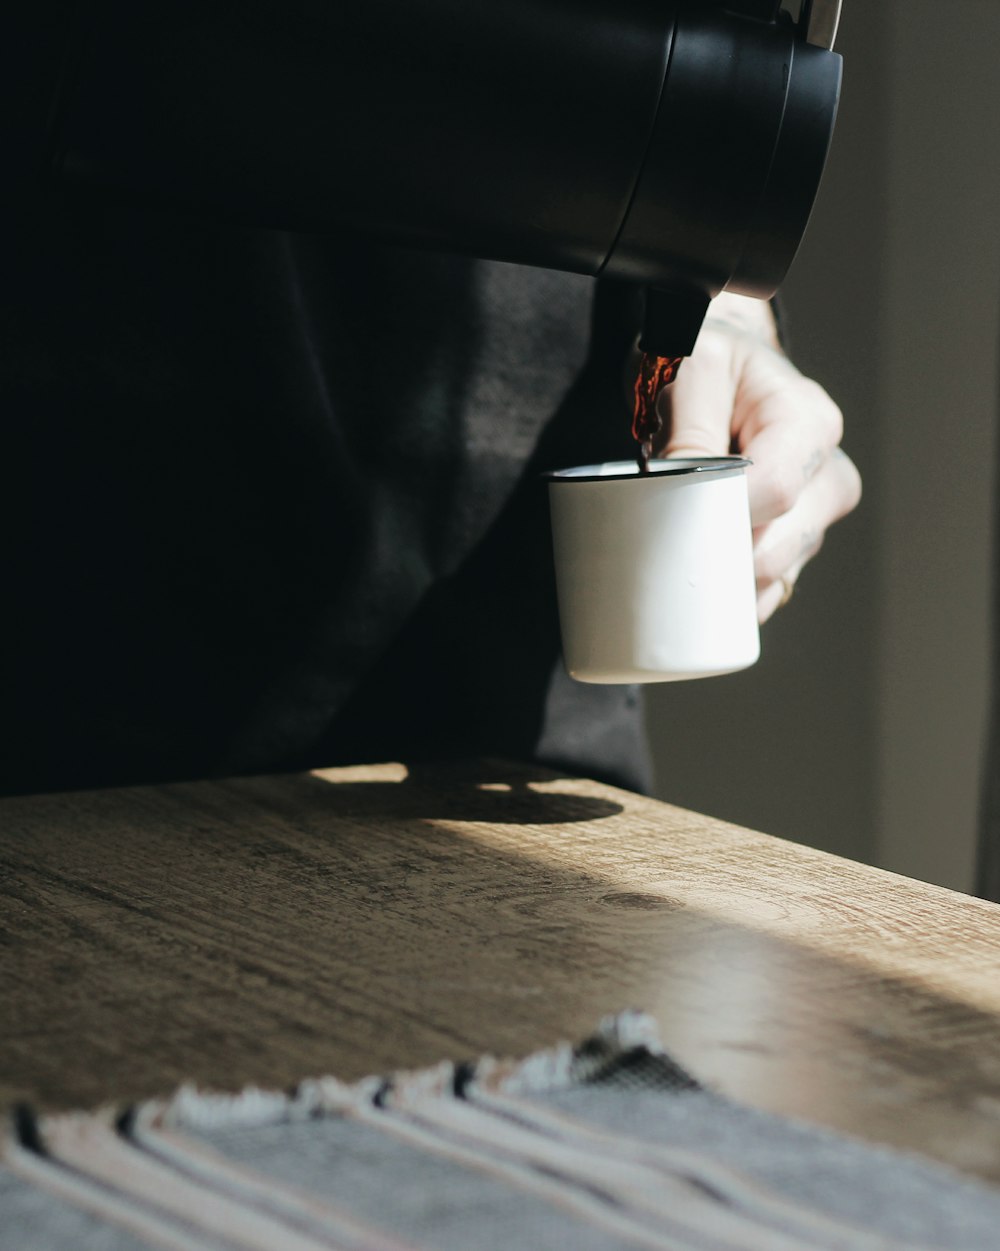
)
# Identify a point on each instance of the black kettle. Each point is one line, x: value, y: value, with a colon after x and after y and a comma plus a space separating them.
x: 676, y: 145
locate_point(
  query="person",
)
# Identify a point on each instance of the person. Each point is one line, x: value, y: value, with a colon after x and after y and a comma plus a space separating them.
x: 273, y: 499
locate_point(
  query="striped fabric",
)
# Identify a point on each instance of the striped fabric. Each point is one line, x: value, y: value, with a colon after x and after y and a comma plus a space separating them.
x: 606, y: 1145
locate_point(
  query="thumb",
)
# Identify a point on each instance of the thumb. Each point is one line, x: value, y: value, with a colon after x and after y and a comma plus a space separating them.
x: 697, y: 409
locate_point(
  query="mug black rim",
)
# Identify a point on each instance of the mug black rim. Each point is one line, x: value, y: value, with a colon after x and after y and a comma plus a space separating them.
x: 678, y: 466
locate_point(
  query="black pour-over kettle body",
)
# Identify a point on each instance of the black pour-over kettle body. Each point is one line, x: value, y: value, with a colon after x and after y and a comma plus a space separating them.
x: 676, y: 145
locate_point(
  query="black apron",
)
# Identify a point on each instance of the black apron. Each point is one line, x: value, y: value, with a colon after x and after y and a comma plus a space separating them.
x: 273, y: 500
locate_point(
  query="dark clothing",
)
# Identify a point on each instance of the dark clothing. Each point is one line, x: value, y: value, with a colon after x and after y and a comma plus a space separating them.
x: 272, y: 500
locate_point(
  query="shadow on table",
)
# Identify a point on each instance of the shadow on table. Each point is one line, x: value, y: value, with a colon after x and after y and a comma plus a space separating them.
x: 497, y: 792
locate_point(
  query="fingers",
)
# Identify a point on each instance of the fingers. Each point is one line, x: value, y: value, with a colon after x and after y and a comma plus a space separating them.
x: 783, y: 546
x: 789, y: 428
x: 701, y: 409
x: 697, y: 409
x: 738, y: 392
x: 775, y: 597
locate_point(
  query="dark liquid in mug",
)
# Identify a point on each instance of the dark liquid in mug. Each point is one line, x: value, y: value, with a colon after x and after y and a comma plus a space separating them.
x: 655, y: 372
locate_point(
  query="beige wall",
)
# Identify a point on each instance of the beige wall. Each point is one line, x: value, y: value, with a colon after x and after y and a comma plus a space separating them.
x: 861, y: 729
x: 940, y: 335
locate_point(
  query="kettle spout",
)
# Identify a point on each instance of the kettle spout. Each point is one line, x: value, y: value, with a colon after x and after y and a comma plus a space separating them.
x: 672, y: 320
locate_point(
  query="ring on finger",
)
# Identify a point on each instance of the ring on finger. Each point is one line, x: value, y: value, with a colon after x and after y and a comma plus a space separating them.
x: 787, y: 591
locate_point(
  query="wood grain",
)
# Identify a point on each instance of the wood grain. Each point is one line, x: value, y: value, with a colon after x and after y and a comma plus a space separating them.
x: 355, y: 921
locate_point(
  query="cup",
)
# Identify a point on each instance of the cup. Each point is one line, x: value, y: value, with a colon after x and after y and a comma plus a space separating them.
x: 654, y: 571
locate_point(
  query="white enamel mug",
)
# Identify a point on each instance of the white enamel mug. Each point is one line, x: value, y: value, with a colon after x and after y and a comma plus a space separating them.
x: 654, y: 572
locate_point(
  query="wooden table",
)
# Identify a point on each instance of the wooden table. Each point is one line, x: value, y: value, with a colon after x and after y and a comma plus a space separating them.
x: 361, y: 920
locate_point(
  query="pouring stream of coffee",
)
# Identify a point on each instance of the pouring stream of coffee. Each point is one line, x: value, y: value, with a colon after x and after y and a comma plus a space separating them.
x: 655, y: 372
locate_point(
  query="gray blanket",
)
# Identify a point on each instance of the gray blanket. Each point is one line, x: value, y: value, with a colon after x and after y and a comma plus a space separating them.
x: 603, y: 1146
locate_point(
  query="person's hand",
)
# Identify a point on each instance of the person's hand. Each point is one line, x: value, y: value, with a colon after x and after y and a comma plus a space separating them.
x: 738, y: 392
